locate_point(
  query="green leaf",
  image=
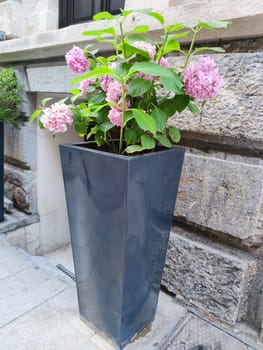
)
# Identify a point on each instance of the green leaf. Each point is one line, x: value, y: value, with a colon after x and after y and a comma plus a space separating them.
x: 99, y: 138
x: 132, y: 135
x: 132, y: 50
x: 213, y: 25
x: 157, y: 16
x: 122, y: 69
x: 35, y: 115
x: 106, y: 126
x: 100, y: 32
x: 181, y: 102
x: 140, y: 29
x: 81, y: 128
x: 176, y: 36
x: 172, y: 45
x: 147, y: 142
x: 125, y: 13
x: 145, y: 121
x: 168, y: 107
x: 160, y: 118
x: 216, y: 49
x: 133, y: 149
x: 151, y: 68
x: 193, y: 108
x: 40, y: 124
x: 103, y: 15
x: 139, y: 86
x: 174, y: 134
x: 75, y: 97
x: 102, y: 114
x: 177, y: 103
x: 45, y: 100
x: 128, y: 115
x: 96, y: 98
x: 96, y: 72
x: 106, y: 41
x: 174, y: 85
x: 174, y: 28
x: 163, y: 139
x: 75, y: 91
x: 92, y: 131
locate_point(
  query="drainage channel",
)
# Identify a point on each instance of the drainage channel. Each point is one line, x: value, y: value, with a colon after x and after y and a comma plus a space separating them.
x: 68, y: 273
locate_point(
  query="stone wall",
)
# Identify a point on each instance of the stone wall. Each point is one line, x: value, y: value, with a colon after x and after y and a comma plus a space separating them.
x: 24, y: 17
x: 215, y: 255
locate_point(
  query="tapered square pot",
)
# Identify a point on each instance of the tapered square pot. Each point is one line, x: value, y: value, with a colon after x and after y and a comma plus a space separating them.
x: 120, y: 211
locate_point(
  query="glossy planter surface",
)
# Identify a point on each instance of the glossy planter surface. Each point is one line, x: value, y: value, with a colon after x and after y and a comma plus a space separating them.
x: 120, y: 213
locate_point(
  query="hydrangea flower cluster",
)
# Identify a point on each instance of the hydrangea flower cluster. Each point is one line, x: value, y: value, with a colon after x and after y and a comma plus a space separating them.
x: 57, y: 117
x: 77, y: 61
x: 151, y: 49
x: 115, y: 116
x: 84, y: 85
x: 202, y: 79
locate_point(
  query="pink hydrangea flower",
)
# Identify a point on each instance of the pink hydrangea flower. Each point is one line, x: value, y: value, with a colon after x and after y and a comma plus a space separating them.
x: 144, y: 76
x: 115, y: 116
x: 84, y: 85
x: 57, y: 117
x: 151, y: 49
x: 113, y: 92
x: 164, y: 63
x: 76, y: 60
x: 105, y: 81
x: 201, y: 78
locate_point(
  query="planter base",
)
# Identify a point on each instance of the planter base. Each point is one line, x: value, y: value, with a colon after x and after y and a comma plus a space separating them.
x: 120, y: 213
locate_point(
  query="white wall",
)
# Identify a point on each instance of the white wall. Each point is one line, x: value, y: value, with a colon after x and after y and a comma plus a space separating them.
x: 53, y: 229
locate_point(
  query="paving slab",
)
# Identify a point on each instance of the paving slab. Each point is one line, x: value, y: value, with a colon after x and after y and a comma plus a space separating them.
x: 43, y: 329
x: 14, y: 259
x: 15, y: 299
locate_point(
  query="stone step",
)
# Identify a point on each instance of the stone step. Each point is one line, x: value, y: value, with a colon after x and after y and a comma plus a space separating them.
x: 8, y: 204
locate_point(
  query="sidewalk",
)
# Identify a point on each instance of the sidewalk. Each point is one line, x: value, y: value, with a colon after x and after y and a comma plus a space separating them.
x: 38, y: 311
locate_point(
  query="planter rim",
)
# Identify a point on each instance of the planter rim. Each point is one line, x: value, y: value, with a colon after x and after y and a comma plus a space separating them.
x: 77, y: 145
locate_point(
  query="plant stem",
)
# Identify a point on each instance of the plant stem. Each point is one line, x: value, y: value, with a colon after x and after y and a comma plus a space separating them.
x: 122, y: 39
x: 123, y: 93
x: 196, y: 31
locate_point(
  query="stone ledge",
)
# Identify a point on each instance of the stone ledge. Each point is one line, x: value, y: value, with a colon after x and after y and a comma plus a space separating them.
x: 192, y: 270
x: 17, y: 220
x: 56, y: 43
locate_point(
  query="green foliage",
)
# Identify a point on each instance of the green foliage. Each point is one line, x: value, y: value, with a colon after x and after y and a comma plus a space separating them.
x: 149, y: 92
x: 10, y: 99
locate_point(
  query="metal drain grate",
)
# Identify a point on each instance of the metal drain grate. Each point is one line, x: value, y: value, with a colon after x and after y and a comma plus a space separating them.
x: 66, y: 272
x: 195, y: 333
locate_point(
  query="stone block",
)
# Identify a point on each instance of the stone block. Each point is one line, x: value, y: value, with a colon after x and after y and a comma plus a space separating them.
x: 11, y: 23
x: 209, y: 277
x: 45, y: 79
x: 20, y: 187
x: 223, y: 195
x: 238, y: 110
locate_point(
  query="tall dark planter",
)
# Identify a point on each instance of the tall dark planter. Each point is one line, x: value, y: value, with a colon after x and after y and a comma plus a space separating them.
x: 120, y: 213
x: 1, y: 171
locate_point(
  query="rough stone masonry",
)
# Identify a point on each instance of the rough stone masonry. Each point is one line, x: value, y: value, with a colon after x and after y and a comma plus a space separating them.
x: 215, y: 253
